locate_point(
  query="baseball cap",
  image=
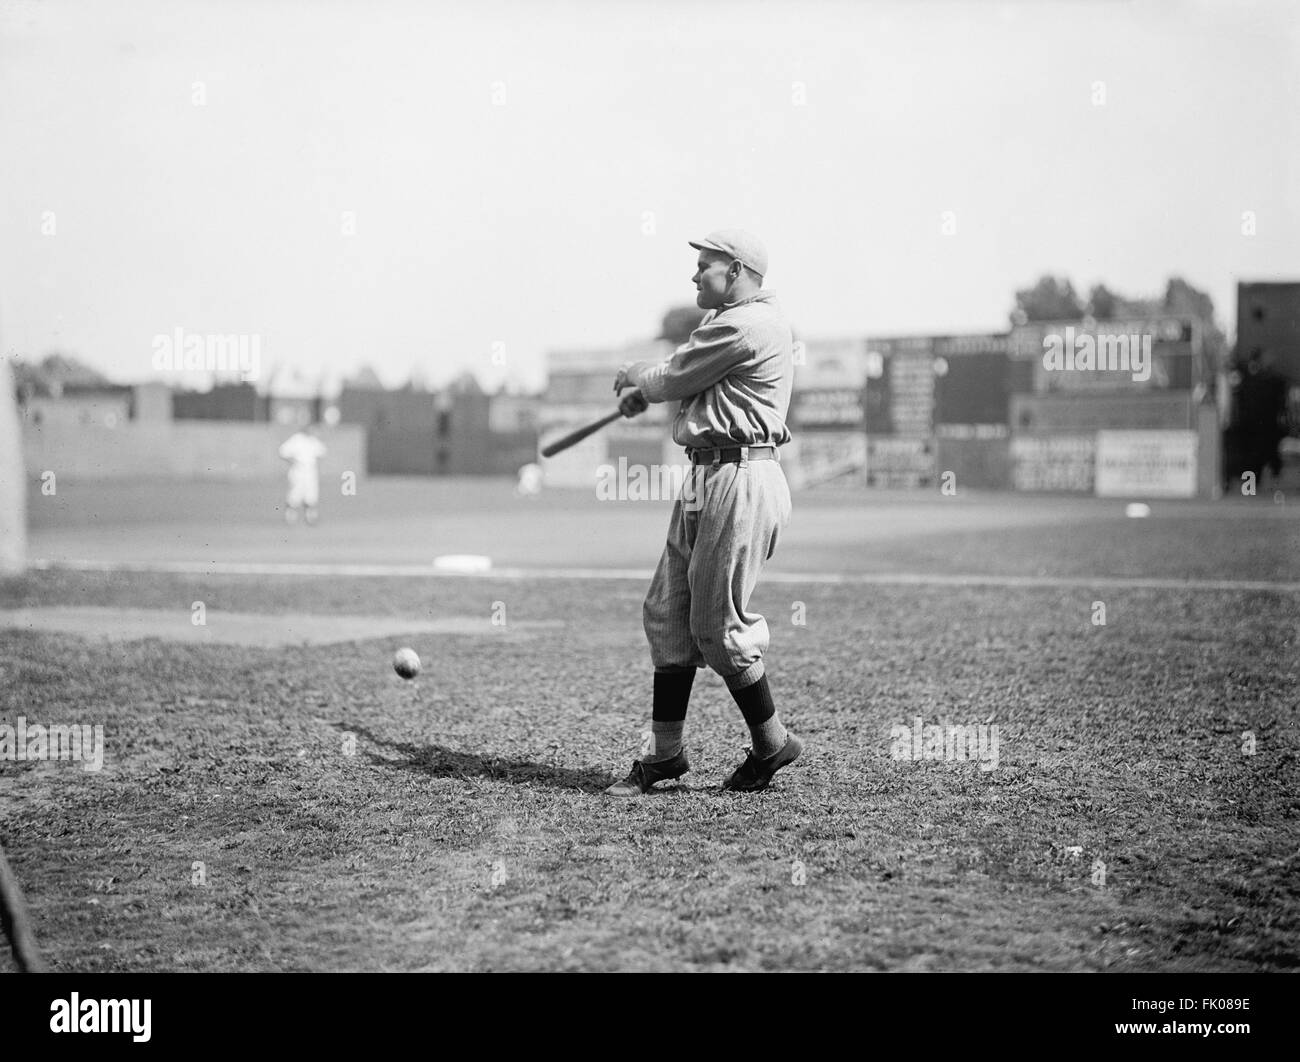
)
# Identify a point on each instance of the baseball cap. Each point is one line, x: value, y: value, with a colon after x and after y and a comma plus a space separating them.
x: 743, y: 246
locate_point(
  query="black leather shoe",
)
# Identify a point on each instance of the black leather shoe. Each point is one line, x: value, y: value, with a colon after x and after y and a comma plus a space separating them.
x: 755, y: 774
x: 644, y: 775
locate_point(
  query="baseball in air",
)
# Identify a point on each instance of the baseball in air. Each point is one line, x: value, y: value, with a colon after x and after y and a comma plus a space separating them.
x: 406, y: 663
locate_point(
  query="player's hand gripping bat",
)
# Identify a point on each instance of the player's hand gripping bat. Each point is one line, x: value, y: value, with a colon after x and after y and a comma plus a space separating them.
x: 632, y: 400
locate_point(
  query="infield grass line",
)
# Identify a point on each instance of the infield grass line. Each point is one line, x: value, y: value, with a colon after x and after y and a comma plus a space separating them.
x: 644, y: 575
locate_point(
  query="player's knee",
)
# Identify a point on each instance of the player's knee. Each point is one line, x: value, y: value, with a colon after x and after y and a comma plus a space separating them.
x: 706, y: 636
x: 715, y: 655
x: 707, y: 621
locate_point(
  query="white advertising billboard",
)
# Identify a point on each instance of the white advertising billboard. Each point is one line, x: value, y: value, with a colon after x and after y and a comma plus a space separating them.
x: 1141, y: 464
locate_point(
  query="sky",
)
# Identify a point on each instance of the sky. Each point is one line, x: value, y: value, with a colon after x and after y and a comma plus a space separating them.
x: 442, y: 188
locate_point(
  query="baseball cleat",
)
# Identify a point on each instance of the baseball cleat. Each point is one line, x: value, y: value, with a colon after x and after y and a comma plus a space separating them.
x: 755, y: 774
x: 644, y: 775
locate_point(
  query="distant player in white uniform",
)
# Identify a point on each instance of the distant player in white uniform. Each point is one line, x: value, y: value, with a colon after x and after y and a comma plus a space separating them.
x: 303, y: 452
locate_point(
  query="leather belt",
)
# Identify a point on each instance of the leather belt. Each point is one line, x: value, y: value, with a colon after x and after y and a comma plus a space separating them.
x: 732, y: 455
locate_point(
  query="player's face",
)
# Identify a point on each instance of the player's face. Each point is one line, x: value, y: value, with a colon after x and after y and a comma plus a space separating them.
x: 710, y: 280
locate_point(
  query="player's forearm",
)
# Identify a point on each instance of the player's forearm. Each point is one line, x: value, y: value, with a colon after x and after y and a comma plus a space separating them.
x: 637, y: 373
x: 681, y: 377
x: 658, y: 385
x: 712, y: 353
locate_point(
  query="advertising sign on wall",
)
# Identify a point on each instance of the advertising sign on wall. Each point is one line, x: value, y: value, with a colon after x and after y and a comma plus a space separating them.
x: 1157, y: 464
x: 827, y: 408
x: 1053, y: 462
x: 900, y: 462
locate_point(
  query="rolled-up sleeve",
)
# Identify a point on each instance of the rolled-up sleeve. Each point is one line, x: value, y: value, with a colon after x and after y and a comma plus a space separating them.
x: 713, y: 350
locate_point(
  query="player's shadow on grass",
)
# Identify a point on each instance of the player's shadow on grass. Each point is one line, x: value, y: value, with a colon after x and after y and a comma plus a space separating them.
x: 438, y: 762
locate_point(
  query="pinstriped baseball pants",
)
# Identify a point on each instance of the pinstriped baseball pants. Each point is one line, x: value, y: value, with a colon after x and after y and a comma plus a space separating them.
x: 725, y: 526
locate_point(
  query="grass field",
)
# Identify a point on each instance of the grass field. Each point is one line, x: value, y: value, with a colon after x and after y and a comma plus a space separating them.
x: 347, y: 820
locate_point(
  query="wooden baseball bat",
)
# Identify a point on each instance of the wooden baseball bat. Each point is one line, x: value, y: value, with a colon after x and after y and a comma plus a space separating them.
x: 578, y: 434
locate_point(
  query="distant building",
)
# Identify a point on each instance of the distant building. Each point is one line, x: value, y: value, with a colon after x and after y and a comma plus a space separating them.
x: 232, y: 401
x: 1268, y: 321
x: 1106, y: 407
x: 513, y: 413
x: 152, y: 403
x: 463, y: 443
x: 289, y: 399
x: 85, y: 405
x: 103, y: 405
x: 293, y: 399
x: 586, y: 377
x: 580, y: 387
x: 399, y: 428
x: 1127, y: 374
x: 1265, y: 375
x: 430, y: 433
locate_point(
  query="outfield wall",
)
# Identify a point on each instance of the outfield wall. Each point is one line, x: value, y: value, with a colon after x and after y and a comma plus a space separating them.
x: 179, y: 450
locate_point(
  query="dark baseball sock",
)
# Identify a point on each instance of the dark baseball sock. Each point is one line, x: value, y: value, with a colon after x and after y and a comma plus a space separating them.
x: 672, y: 693
x: 765, y: 729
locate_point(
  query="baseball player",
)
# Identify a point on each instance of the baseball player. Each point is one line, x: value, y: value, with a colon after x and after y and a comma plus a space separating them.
x: 733, y: 379
x: 303, y: 451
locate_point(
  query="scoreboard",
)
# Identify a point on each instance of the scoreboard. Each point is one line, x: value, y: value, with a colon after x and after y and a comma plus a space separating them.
x: 923, y: 382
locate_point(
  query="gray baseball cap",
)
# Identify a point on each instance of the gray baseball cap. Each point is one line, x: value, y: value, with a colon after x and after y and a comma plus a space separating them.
x: 744, y: 247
